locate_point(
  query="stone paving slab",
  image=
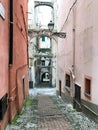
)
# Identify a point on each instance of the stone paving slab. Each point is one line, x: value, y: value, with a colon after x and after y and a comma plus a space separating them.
x: 52, y: 117
x: 49, y: 112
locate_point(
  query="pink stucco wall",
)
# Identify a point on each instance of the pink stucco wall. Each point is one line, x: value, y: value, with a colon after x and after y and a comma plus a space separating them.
x: 79, y: 48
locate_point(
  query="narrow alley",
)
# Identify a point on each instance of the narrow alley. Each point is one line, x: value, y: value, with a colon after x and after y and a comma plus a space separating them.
x: 48, y: 65
x: 49, y: 112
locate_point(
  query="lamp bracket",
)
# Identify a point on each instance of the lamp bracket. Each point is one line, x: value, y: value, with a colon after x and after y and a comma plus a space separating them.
x: 60, y: 34
x: 37, y: 33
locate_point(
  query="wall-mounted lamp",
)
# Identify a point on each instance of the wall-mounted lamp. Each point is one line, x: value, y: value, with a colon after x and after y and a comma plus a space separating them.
x: 58, y: 34
x: 47, y: 32
x: 51, y: 26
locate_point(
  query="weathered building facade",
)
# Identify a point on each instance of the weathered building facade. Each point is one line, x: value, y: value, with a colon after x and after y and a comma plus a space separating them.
x: 13, y: 57
x: 4, y: 58
x: 77, y: 58
x: 42, y: 48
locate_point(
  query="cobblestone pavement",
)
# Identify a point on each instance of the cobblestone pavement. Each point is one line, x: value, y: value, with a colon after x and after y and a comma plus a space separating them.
x: 49, y: 112
x: 51, y: 117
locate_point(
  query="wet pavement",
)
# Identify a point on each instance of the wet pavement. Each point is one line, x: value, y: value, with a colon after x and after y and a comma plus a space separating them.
x: 49, y: 112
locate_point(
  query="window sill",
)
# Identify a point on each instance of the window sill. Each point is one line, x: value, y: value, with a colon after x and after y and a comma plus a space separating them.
x: 67, y: 88
x: 88, y: 95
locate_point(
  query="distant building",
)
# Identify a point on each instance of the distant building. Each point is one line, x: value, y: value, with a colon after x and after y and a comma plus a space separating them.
x: 13, y: 59
x: 77, y: 58
x: 42, y: 48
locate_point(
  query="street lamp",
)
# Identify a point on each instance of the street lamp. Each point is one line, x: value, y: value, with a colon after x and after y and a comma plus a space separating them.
x: 51, y: 26
x: 58, y: 34
x: 33, y: 33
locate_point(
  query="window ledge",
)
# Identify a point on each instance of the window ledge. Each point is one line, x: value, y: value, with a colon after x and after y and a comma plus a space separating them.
x: 88, y: 95
x: 67, y: 88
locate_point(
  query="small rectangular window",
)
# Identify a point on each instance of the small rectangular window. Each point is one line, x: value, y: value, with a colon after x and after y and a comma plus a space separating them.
x: 88, y: 87
x: 43, y: 38
x: 23, y: 86
x: 67, y: 82
x: 43, y: 62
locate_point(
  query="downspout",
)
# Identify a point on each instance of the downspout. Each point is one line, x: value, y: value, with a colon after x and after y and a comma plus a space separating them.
x: 10, y: 49
x: 11, y: 34
x: 75, y: 102
x: 74, y: 40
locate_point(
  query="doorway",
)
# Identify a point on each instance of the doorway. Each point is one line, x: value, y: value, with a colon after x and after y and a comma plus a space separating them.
x: 60, y: 84
x: 23, y: 87
x: 77, y: 98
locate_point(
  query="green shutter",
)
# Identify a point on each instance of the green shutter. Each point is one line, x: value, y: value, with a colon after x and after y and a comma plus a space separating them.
x: 43, y: 38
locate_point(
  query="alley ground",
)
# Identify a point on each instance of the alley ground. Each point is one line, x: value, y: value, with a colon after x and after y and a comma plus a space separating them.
x: 49, y: 112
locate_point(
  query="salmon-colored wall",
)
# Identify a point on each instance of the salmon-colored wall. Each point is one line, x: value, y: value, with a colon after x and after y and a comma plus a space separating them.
x: 11, y: 76
x: 4, y: 43
x: 4, y: 46
x: 19, y: 68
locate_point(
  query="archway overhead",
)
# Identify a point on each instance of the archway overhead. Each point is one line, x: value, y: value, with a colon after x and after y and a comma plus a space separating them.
x: 43, y: 55
x: 45, y: 32
x: 42, y: 32
x: 39, y: 3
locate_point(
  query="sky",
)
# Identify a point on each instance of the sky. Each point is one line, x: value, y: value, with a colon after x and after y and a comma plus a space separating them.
x: 43, y: 16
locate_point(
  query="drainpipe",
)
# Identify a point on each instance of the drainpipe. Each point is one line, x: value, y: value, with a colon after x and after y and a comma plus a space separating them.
x: 73, y: 66
x: 10, y: 48
x: 11, y: 34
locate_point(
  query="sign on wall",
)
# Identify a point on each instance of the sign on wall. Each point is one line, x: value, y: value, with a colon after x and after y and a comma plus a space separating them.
x: 2, y: 11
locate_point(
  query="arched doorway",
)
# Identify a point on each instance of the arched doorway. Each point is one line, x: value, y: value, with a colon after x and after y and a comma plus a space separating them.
x: 45, y: 77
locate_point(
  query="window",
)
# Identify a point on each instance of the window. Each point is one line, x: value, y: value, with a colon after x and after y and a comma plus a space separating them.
x: 23, y: 85
x: 67, y: 82
x: 43, y: 62
x: 44, y: 42
x: 88, y: 87
x: 60, y: 87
